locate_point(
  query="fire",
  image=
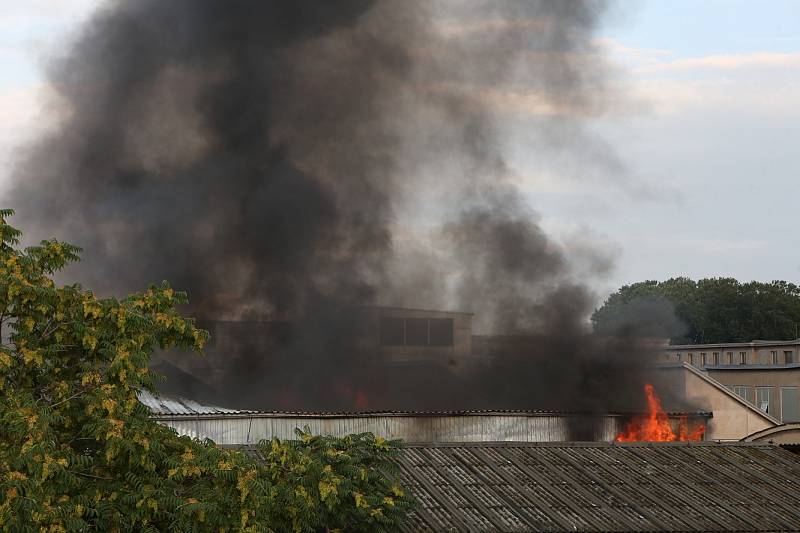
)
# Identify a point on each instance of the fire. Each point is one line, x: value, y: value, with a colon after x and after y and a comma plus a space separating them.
x: 656, y: 427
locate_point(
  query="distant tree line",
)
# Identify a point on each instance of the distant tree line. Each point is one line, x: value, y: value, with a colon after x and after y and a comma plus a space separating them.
x: 711, y: 309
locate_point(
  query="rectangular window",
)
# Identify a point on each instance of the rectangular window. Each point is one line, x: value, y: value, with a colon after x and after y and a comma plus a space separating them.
x: 716, y: 358
x: 774, y: 354
x: 416, y: 331
x: 392, y: 331
x: 691, y: 358
x: 441, y: 331
x: 702, y: 358
x: 743, y: 392
x: 763, y: 395
x: 789, y: 404
x: 730, y: 358
x: 742, y: 358
x: 788, y: 357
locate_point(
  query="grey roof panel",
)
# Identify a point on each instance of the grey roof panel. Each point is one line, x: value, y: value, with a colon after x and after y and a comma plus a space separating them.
x: 169, y: 406
x: 602, y: 487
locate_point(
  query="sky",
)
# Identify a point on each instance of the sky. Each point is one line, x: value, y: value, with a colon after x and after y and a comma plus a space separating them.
x: 705, y: 149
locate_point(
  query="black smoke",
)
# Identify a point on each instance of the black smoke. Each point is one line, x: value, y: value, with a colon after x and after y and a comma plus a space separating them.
x: 290, y: 163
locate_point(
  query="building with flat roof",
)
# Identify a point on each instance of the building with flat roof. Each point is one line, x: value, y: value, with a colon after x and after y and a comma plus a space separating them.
x: 764, y: 373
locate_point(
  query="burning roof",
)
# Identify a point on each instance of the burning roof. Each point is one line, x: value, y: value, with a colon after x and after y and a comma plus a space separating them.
x: 238, y: 427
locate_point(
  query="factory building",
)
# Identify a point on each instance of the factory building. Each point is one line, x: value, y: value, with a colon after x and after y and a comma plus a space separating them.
x: 763, y: 373
x: 242, y: 427
x: 734, y: 418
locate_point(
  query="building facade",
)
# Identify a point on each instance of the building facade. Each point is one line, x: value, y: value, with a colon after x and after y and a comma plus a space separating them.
x: 763, y: 373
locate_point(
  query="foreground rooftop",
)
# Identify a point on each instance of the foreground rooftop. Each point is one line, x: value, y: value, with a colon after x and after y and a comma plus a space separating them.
x: 601, y: 487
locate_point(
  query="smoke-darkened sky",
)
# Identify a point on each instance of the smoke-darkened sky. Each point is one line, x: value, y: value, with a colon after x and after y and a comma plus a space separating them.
x: 716, y: 119
x: 297, y: 161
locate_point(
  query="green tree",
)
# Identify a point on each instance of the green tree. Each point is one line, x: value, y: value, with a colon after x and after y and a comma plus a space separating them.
x: 713, y: 309
x: 78, y: 452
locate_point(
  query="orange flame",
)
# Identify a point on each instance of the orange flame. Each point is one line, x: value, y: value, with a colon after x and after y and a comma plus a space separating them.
x: 656, y: 426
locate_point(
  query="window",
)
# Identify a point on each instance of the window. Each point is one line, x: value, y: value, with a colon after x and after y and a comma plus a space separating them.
x: 742, y: 391
x: 730, y: 358
x: 742, y: 358
x: 716, y: 358
x: 691, y: 358
x: 774, y: 354
x: 702, y: 358
x: 789, y: 404
x: 416, y: 331
x: 393, y: 331
x: 678, y: 355
x: 788, y: 357
x: 763, y: 395
x: 440, y: 332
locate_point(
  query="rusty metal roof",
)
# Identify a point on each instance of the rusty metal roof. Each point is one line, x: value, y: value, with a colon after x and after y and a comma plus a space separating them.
x: 602, y: 487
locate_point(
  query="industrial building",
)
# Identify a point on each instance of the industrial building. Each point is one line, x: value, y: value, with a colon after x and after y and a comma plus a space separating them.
x: 242, y: 427
x: 521, y: 471
x: 734, y: 418
x: 764, y: 373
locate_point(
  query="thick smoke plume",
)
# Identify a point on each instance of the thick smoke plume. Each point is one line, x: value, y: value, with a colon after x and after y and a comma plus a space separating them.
x: 293, y: 162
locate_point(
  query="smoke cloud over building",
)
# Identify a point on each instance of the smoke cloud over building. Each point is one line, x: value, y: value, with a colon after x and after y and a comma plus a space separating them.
x: 296, y: 162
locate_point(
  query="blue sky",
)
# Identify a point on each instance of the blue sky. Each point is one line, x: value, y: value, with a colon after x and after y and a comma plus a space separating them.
x: 709, y: 183
x: 690, y: 28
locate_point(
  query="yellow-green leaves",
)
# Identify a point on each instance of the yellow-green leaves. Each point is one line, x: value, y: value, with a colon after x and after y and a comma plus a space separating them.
x: 79, y: 453
x: 360, y: 500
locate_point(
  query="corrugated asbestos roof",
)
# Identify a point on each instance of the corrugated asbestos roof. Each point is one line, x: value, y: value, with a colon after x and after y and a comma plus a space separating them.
x: 169, y: 406
x: 602, y: 487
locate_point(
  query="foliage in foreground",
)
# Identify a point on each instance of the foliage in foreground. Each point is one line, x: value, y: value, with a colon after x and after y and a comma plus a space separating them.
x: 713, y: 309
x: 78, y: 452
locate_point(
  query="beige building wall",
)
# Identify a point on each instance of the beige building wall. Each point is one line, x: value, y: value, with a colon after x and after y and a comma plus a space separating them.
x: 733, y: 418
x: 776, y: 380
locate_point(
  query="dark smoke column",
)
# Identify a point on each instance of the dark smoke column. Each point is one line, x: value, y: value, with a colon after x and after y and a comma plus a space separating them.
x: 273, y: 159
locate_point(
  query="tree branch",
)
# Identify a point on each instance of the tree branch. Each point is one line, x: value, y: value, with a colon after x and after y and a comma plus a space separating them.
x: 92, y: 476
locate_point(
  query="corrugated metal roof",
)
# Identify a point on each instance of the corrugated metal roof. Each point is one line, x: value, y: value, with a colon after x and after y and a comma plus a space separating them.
x: 600, y: 487
x: 237, y: 427
x: 168, y: 406
x: 183, y: 407
x: 172, y: 406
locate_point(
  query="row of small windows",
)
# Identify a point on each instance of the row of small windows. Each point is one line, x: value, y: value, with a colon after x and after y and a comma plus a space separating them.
x: 416, y: 331
x: 788, y: 411
x: 731, y: 358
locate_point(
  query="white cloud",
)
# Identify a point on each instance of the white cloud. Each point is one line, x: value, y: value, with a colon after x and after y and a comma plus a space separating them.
x: 756, y: 60
x: 757, y: 82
